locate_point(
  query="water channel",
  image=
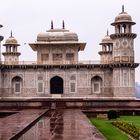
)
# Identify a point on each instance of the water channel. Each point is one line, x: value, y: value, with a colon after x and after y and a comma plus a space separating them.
x: 60, y: 125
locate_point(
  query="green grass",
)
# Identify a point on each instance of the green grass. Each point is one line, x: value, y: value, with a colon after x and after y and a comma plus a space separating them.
x: 107, y: 129
x: 131, y: 119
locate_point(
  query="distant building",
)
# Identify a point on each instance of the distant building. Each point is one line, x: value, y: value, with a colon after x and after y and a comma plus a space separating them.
x: 59, y: 72
x: 137, y: 89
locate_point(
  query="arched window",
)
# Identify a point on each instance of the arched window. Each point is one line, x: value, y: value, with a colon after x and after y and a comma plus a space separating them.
x: 96, y: 84
x: 129, y: 27
x: 124, y: 28
x: 119, y: 29
x: 17, y: 84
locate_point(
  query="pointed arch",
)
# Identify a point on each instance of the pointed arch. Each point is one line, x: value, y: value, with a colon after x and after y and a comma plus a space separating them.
x: 119, y: 29
x: 56, y: 85
x: 124, y: 28
x: 96, y: 84
x: 17, y: 84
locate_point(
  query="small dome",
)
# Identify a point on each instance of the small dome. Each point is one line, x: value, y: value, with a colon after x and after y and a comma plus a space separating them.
x: 123, y: 17
x: 57, y: 35
x: 11, y: 41
x: 106, y: 40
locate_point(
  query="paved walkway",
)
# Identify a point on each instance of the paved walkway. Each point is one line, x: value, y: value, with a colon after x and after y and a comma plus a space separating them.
x: 67, y: 124
x: 13, y: 124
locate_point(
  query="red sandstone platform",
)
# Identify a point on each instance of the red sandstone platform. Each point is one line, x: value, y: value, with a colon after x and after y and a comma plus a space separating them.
x: 64, y: 124
x: 67, y: 124
x: 13, y: 124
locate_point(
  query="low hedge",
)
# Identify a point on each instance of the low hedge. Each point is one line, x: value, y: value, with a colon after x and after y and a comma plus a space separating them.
x: 128, y: 128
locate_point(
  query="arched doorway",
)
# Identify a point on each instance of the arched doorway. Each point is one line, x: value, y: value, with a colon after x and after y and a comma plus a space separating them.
x: 17, y: 84
x: 56, y: 85
x: 96, y: 84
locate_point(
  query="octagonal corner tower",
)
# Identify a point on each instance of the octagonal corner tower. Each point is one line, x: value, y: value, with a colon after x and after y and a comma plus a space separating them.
x: 57, y: 46
x: 123, y: 56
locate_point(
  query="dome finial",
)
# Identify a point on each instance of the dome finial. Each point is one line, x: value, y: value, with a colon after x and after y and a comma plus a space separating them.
x: 122, y: 8
x: 11, y: 34
x: 63, y: 24
x: 51, y: 24
x: 107, y: 33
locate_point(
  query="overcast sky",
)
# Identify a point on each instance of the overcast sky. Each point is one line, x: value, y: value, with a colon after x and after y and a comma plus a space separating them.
x: 88, y: 18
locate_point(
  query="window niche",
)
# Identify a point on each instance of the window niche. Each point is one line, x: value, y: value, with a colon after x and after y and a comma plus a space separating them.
x: 96, y: 87
x: 73, y: 84
x: 125, y: 79
x: 17, y: 84
x: 40, y: 83
x: 57, y: 57
x: 70, y: 56
x: 40, y: 87
x: 17, y: 87
x: 44, y: 57
x: 96, y: 84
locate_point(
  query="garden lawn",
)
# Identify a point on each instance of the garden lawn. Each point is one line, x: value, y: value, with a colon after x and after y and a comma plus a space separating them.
x: 108, y: 130
x: 131, y: 119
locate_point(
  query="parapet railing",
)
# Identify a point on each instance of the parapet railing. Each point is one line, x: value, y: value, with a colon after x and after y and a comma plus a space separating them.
x: 53, y: 62
x: 84, y: 62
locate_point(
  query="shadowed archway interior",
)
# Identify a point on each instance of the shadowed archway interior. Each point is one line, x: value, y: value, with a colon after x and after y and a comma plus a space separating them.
x: 56, y: 85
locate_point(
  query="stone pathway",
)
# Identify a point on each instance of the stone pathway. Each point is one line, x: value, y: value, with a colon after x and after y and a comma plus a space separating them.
x: 67, y: 124
x: 13, y: 124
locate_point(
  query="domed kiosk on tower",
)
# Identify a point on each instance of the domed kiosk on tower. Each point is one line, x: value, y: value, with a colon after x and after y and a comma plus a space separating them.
x: 123, y: 22
x: 11, y: 41
x: 106, y: 52
x: 11, y: 54
x: 57, y: 45
x: 123, y: 38
x: 123, y: 17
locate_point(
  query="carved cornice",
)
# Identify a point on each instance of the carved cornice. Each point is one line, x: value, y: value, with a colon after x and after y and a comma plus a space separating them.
x: 119, y: 35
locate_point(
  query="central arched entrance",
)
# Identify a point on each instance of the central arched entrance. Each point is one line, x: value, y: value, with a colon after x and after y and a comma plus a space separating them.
x: 56, y: 85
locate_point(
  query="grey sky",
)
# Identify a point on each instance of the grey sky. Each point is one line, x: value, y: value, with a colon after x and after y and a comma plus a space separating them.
x: 88, y: 18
